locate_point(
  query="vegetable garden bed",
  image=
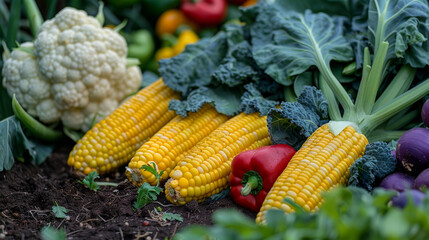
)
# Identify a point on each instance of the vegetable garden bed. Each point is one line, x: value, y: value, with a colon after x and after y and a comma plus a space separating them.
x: 28, y: 193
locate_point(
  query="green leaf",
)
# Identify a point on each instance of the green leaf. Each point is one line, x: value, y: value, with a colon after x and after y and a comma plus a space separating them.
x: 89, y: 181
x: 15, y: 145
x: 13, y: 24
x: 60, y: 212
x: 404, y: 25
x: 171, y: 216
x: 146, y: 194
x: 51, y: 233
x: 287, y: 43
x: 225, y: 100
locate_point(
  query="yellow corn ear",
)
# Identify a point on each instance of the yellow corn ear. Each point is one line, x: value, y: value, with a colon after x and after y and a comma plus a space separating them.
x: 321, y: 164
x: 113, y: 141
x: 170, y: 143
x: 204, y: 169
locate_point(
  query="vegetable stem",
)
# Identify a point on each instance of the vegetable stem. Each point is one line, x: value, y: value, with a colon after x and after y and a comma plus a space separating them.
x: 395, y: 106
x: 366, y: 69
x: 108, y: 184
x: 35, y: 127
x: 333, y: 109
x: 13, y: 25
x: 369, y: 90
x: 400, y: 84
x: 252, y: 183
x: 34, y: 16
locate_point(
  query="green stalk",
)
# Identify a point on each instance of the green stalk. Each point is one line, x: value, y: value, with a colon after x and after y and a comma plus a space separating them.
x: 366, y: 69
x: 13, y: 26
x: 333, y: 108
x: 251, y: 184
x: 100, y: 14
x: 395, y: 106
x: 338, y: 90
x: 35, y: 127
x: 385, y: 135
x: 33, y: 15
x: 52, y: 5
x: 400, y: 84
x: 402, y: 119
x: 368, y: 93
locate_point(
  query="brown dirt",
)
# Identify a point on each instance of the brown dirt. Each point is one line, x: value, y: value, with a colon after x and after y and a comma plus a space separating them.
x: 28, y: 192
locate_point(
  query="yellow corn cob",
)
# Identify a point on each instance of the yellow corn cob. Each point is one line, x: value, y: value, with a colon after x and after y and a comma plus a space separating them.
x: 204, y: 169
x: 170, y: 143
x: 321, y: 164
x: 113, y: 141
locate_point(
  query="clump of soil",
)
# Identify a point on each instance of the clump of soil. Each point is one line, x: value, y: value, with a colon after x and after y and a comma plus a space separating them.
x: 28, y: 193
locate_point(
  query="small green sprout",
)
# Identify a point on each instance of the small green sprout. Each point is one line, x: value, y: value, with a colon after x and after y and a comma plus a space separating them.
x: 148, y: 193
x: 60, y: 212
x: 168, y: 216
x: 90, y: 182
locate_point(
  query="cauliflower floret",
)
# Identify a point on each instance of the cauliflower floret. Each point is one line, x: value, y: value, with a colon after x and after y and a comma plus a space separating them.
x: 78, y: 71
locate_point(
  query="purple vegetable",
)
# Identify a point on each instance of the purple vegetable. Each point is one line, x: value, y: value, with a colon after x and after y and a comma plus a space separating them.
x: 402, y: 199
x: 425, y: 113
x: 397, y: 181
x: 422, y: 180
x: 412, y: 150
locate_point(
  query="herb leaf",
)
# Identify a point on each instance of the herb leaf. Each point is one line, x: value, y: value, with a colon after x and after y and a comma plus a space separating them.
x: 60, y: 212
x: 89, y: 181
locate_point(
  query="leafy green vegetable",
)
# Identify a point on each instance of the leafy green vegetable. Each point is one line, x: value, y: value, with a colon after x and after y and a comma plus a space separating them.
x: 148, y: 193
x: 51, y: 233
x: 347, y: 213
x: 225, y: 101
x: 253, y: 101
x: 15, y: 145
x: 216, y: 70
x: 60, y: 212
x: 377, y: 162
x: 294, y: 122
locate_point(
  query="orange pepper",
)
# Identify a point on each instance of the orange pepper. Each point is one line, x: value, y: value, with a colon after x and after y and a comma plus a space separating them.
x: 170, y: 20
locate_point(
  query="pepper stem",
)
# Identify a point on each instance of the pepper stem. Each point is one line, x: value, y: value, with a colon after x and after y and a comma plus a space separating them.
x: 251, y: 184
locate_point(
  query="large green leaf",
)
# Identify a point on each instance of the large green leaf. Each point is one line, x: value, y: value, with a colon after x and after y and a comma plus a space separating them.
x: 296, y: 41
x: 404, y: 25
x: 15, y: 145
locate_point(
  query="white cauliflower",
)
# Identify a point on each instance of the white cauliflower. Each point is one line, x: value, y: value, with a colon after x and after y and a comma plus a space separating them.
x: 78, y: 72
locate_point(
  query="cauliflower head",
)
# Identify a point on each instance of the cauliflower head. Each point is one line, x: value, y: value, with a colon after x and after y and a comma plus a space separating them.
x: 77, y: 74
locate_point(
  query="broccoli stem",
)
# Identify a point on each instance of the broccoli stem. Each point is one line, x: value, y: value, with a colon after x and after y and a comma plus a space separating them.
x: 333, y: 108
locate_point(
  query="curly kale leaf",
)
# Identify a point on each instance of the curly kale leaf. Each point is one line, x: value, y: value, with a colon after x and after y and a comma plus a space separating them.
x: 377, y: 162
x: 195, y: 65
x: 386, y: 162
x: 253, y: 101
x: 294, y: 122
x: 225, y: 100
x: 362, y: 172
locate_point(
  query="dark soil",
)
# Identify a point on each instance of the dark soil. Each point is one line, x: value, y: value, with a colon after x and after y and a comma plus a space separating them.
x: 28, y: 193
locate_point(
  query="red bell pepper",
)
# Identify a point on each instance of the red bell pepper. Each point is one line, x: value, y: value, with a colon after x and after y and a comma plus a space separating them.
x: 206, y: 13
x: 255, y: 171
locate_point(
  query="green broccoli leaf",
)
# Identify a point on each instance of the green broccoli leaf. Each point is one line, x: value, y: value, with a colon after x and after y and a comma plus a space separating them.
x: 253, y: 101
x: 294, y: 122
x: 16, y: 145
x: 225, y: 100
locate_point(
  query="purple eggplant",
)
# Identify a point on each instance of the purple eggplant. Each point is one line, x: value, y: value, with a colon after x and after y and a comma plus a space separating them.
x: 412, y: 150
x: 422, y: 180
x: 402, y: 199
x: 397, y: 181
x: 425, y: 113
